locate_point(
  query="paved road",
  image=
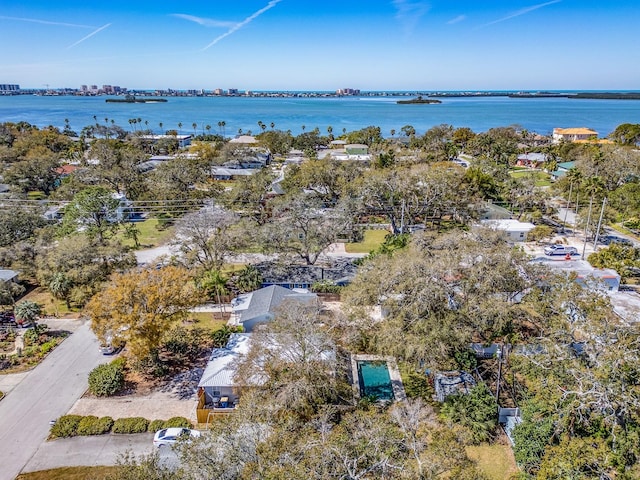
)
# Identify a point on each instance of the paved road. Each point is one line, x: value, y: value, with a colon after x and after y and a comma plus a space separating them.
x: 88, y: 451
x: 46, y: 393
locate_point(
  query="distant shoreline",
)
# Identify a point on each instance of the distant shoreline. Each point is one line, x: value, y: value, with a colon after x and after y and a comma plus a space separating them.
x: 136, y: 100
x: 157, y: 95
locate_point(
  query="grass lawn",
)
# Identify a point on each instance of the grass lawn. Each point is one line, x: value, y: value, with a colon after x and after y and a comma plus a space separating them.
x: 496, y: 461
x: 542, y: 178
x: 50, y: 305
x: 70, y: 473
x: 149, y: 235
x: 372, y: 240
x: 207, y: 320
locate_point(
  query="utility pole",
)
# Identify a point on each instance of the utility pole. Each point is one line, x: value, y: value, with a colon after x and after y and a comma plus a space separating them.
x: 595, y: 242
x: 564, y: 223
x: 586, y: 228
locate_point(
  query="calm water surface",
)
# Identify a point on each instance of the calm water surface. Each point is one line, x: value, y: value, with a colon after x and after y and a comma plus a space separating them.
x: 539, y: 115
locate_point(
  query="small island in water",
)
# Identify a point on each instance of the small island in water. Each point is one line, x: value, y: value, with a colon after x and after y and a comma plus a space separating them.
x: 419, y: 99
x: 133, y: 99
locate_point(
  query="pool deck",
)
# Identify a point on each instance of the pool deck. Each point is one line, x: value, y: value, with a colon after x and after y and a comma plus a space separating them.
x: 394, y: 375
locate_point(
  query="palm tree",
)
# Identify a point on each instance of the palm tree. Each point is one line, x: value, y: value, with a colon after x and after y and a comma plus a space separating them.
x: 161, y: 125
x: 179, y: 126
x: 593, y: 186
x: 215, y: 283
x: 248, y: 279
x: 208, y: 128
x: 60, y: 287
x: 393, y: 132
x: 224, y: 124
x: 195, y: 126
x: 27, y: 312
x: 272, y: 125
x: 303, y: 127
x: 220, y: 127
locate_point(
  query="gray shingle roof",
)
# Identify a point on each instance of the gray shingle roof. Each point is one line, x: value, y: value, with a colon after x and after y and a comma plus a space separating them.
x: 266, y: 300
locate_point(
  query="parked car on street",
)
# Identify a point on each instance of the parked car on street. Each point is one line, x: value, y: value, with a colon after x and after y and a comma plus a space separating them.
x: 557, y: 249
x: 169, y: 436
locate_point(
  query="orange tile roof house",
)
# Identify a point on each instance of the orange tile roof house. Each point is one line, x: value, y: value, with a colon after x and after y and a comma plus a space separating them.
x: 573, y: 134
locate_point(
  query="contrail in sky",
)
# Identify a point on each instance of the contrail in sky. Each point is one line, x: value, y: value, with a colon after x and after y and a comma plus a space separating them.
x: 207, y: 22
x: 246, y: 21
x: 46, y: 22
x: 89, y: 36
x: 521, y: 12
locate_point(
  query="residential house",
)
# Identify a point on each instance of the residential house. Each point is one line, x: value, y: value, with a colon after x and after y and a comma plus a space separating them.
x: 515, y: 230
x: 183, y: 140
x: 339, y: 272
x: 562, y: 169
x: 225, y: 173
x: 491, y: 211
x: 244, y: 140
x: 573, y: 134
x: 452, y: 383
x: 531, y: 160
x: 217, y: 389
x: 7, y: 276
x: 260, y: 306
x: 601, y: 278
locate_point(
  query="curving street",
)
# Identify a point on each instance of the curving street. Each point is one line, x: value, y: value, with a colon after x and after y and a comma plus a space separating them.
x: 45, y: 393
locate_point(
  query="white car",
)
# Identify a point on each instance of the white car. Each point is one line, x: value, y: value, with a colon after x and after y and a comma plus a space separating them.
x: 560, y: 250
x: 169, y: 436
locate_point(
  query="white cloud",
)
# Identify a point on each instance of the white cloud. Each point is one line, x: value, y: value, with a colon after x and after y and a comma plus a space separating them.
x: 457, y: 19
x: 522, y: 11
x: 244, y: 22
x: 89, y: 36
x: 45, y: 22
x: 206, y: 22
x: 409, y: 13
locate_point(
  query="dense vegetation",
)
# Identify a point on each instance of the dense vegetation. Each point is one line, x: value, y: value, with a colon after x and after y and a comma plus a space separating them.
x: 440, y: 290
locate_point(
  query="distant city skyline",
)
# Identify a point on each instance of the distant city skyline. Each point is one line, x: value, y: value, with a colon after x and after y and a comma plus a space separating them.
x: 293, y: 45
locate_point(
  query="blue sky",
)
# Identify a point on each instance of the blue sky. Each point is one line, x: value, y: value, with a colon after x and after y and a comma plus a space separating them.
x: 323, y: 45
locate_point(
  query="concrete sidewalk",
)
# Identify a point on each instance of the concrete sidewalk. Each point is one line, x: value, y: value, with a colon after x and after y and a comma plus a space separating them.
x: 88, y: 451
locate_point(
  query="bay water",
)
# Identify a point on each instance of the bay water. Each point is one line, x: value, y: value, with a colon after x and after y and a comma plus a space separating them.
x: 300, y: 114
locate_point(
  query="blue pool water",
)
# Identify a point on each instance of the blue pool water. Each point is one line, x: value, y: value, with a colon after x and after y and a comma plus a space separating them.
x: 374, y: 380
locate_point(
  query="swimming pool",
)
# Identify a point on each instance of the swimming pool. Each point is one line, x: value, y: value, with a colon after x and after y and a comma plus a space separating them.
x: 374, y: 379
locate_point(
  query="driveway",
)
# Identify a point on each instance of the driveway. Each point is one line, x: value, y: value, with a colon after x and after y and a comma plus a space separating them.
x: 45, y: 393
x: 88, y: 451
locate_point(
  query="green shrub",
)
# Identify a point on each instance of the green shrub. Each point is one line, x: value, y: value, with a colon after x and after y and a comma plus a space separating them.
x: 325, y: 286
x: 130, y: 425
x: 155, y: 426
x: 66, y: 426
x: 177, y: 422
x: 48, y: 346
x: 91, y: 425
x: 106, y: 380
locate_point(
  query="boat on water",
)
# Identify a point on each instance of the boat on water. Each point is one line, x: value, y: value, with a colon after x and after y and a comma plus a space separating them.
x: 133, y: 99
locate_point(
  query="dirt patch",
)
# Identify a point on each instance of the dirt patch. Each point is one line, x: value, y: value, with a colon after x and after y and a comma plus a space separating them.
x: 148, y: 398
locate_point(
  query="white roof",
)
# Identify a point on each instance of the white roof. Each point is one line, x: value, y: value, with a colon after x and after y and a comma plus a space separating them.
x: 221, y: 369
x: 244, y: 139
x: 509, y: 225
